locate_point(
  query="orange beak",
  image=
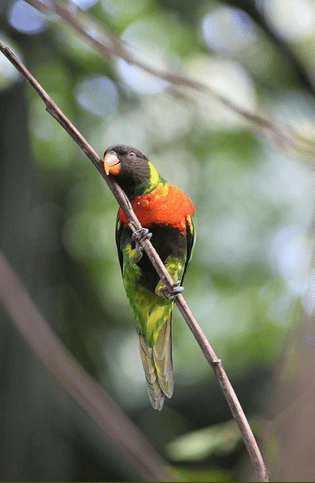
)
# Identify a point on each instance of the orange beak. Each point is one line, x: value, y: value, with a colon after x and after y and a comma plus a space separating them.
x: 111, y: 164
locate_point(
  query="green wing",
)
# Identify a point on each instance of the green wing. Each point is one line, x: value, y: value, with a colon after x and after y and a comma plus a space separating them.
x: 150, y: 310
x: 153, y: 323
x: 153, y: 314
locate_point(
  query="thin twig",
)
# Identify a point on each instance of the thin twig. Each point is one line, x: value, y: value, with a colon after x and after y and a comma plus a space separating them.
x: 282, y: 134
x: 77, y: 383
x: 122, y: 199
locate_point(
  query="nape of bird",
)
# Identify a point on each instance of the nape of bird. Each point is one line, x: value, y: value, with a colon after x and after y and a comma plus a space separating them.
x: 166, y: 213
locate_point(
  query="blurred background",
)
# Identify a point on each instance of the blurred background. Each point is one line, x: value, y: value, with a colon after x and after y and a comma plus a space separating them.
x: 251, y: 280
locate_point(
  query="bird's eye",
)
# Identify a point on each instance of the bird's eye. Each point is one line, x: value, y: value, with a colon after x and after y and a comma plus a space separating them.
x: 132, y: 154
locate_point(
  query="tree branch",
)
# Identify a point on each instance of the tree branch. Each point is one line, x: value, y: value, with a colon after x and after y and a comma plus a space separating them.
x: 76, y: 382
x: 283, y: 135
x: 122, y: 199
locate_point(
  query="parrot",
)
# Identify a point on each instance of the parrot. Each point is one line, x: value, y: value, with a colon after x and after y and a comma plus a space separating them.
x: 167, y: 215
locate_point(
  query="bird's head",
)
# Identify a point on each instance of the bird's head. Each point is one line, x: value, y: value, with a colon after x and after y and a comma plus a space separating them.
x: 132, y: 170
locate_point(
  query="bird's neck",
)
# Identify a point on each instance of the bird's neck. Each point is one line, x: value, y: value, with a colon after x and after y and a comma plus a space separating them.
x: 151, y: 183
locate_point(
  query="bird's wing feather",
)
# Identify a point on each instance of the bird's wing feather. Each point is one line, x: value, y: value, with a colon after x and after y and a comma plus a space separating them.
x: 118, y: 233
x: 162, y: 355
x: 158, y: 365
x: 191, y: 240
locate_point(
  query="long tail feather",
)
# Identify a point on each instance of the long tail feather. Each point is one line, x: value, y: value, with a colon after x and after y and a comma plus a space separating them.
x: 158, y: 365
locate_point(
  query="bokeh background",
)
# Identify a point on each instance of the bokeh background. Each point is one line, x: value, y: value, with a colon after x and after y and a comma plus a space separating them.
x: 250, y: 284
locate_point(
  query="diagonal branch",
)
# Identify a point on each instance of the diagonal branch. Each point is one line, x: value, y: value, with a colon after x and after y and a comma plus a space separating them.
x: 236, y: 409
x: 77, y: 383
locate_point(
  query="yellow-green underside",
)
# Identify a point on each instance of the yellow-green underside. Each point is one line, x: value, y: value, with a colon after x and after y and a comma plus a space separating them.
x: 150, y: 310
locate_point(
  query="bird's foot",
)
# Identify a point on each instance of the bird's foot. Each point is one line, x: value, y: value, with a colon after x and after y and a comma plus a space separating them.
x: 138, y: 236
x: 170, y: 295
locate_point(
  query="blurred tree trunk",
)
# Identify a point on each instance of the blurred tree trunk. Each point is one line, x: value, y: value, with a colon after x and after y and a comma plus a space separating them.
x: 23, y: 433
x: 43, y: 435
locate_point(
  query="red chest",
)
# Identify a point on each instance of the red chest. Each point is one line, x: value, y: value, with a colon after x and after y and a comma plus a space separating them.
x: 166, y: 205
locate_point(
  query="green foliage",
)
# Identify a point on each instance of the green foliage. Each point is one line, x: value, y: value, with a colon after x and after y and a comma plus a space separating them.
x: 197, y: 445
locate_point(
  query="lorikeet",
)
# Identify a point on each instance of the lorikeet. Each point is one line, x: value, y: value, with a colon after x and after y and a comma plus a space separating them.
x: 167, y: 213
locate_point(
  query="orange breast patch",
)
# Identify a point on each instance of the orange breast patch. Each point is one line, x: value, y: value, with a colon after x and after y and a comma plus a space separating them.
x: 166, y: 205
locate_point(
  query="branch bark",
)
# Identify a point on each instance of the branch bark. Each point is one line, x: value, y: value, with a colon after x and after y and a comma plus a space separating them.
x: 236, y: 409
x: 283, y: 135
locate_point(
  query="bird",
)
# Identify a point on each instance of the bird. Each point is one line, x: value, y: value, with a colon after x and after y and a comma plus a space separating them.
x: 167, y: 216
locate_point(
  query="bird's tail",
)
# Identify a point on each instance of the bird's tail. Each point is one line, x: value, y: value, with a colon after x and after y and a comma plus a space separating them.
x: 158, y: 365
